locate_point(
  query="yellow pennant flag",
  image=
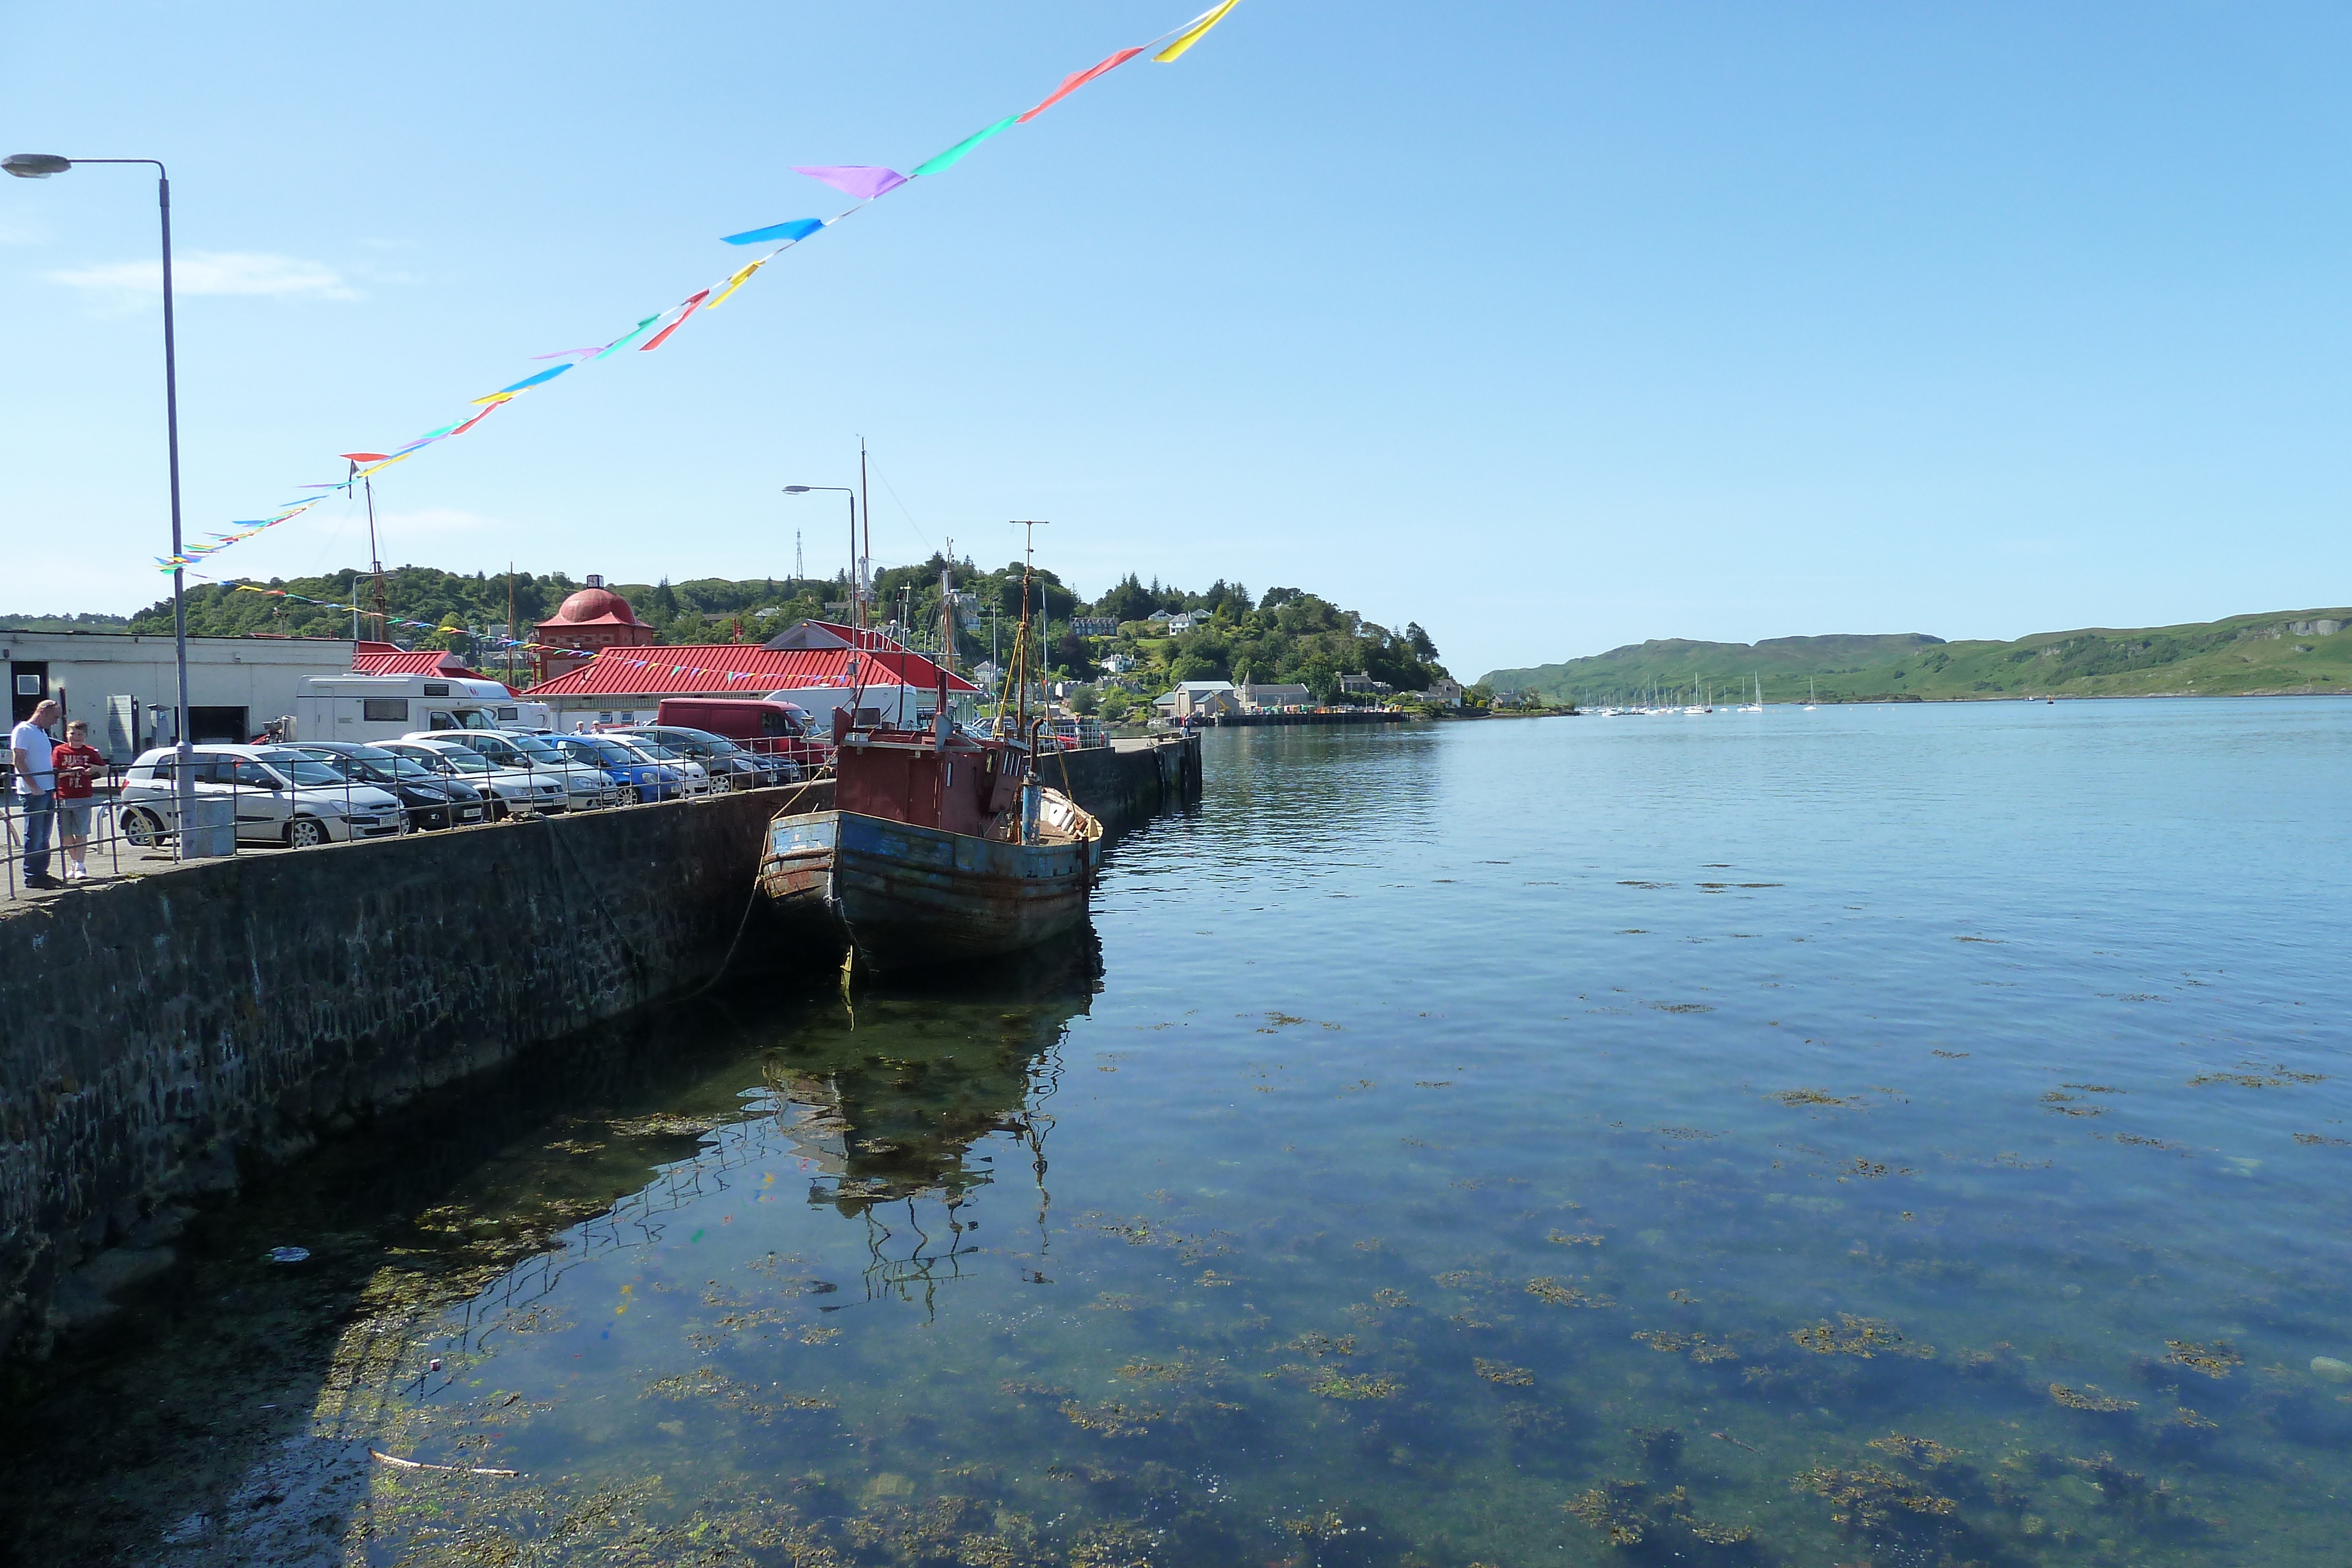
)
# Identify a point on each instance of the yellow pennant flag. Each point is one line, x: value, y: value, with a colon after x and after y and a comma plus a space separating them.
x: 736, y: 282
x: 1192, y: 34
x: 495, y: 397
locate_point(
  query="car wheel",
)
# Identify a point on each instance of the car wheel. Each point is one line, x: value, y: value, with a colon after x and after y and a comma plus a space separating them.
x: 142, y: 830
x: 305, y: 833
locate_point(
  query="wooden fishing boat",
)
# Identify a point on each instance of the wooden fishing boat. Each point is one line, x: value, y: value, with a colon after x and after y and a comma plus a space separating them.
x: 941, y: 846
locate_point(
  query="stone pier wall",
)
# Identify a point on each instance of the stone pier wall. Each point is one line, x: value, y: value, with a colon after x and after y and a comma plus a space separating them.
x: 158, y: 1031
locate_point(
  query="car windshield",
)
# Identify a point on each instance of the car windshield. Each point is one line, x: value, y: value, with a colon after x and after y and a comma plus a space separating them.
x: 307, y: 770
x: 655, y: 749
x: 603, y: 750
x: 718, y: 744
x: 336, y: 761
x: 466, y: 761
x: 382, y: 764
x: 532, y: 746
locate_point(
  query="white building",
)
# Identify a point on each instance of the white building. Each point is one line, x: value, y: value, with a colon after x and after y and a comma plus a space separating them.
x: 126, y: 685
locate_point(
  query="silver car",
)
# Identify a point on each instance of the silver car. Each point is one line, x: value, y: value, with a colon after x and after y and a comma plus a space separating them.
x: 513, y: 788
x: 276, y: 800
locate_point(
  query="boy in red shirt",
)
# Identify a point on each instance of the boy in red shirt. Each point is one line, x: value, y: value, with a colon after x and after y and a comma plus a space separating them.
x: 76, y: 762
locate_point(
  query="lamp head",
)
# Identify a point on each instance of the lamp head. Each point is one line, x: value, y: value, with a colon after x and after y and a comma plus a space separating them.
x: 35, y: 165
x: 796, y: 489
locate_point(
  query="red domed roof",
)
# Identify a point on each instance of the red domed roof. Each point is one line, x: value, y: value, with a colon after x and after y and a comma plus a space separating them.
x: 597, y: 604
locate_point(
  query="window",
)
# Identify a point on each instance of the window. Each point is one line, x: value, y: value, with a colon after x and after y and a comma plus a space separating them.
x: 439, y: 721
x: 436, y: 688
x: 509, y: 715
x: 384, y: 710
x: 252, y: 775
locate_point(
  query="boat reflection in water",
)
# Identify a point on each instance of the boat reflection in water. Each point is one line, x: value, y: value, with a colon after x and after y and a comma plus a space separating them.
x: 886, y: 1109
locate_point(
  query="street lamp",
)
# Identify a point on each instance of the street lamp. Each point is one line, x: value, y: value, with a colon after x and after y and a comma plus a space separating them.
x: 40, y: 166
x: 856, y: 608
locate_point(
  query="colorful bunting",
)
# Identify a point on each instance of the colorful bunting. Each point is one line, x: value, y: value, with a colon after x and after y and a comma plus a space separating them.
x: 955, y: 154
x: 864, y: 181
x: 1077, y: 79
x: 659, y: 339
x: 1193, y: 32
x: 796, y: 230
x: 859, y: 180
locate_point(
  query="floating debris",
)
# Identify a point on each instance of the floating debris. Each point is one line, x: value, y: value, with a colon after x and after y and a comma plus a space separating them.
x: 2213, y: 1360
x: 1680, y: 1006
x: 2321, y: 1138
x: 2329, y: 1369
x: 2091, y: 1397
x: 1581, y: 1239
x: 668, y: 1125
x: 1338, y: 1386
x: 1865, y: 1337
x: 1564, y: 1295
x: 1793, y: 1097
x: 575, y: 1146
x: 1322, y: 1344
x: 1503, y: 1372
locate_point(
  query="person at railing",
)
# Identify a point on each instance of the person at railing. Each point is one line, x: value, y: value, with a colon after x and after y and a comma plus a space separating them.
x: 29, y: 751
x: 78, y: 764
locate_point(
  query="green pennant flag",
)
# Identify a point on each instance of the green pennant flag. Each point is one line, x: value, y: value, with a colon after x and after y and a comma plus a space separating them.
x: 954, y: 155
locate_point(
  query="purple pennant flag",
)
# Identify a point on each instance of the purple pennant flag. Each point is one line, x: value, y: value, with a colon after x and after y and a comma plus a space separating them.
x: 858, y: 180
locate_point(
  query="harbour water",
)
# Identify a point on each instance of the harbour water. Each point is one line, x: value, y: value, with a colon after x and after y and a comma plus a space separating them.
x: 1888, y: 1135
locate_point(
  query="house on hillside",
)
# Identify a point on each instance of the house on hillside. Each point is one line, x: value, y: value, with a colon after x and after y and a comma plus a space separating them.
x: 1363, y: 686
x: 1185, y: 623
x: 1443, y: 692
x: 1202, y: 699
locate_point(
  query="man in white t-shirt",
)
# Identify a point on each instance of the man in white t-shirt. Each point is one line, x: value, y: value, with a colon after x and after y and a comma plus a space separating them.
x: 31, y: 754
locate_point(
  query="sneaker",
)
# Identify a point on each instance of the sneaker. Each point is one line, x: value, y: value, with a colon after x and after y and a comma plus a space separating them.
x: 77, y: 874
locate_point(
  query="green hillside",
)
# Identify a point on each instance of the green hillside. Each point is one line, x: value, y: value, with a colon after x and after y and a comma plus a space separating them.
x: 2290, y: 651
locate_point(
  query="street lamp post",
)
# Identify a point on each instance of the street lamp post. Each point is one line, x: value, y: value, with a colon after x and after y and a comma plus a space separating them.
x: 856, y: 608
x: 40, y: 166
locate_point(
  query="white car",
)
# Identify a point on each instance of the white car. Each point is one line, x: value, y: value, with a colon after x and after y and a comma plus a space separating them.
x: 514, y: 788
x: 278, y: 800
x: 696, y: 777
x: 584, y: 788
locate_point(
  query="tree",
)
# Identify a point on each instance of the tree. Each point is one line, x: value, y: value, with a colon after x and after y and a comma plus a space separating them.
x: 1423, y: 648
x: 1084, y: 700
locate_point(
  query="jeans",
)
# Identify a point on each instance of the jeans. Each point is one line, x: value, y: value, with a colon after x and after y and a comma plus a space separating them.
x: 39, y: 812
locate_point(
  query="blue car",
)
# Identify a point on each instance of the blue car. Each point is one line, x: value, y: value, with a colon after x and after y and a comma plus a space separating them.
x: 650, y: 781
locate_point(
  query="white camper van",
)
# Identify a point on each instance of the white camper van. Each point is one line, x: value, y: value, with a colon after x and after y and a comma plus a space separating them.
x: 385, y: 707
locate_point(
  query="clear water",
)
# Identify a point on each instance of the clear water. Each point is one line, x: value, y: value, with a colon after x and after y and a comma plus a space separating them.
x: 1908, y: 1136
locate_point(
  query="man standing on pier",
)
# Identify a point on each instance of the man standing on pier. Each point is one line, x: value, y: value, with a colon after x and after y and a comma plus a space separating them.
x: 31, y: 751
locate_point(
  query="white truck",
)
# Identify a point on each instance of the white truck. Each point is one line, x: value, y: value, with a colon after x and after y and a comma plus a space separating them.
x: 371, y: 708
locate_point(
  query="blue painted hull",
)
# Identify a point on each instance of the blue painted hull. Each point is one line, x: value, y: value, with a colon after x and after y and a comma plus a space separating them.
x: 906, y: 896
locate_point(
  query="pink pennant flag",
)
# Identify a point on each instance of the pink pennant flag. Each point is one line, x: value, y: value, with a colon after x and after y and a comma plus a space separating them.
x: 861, y: 181
x: 1077, y: 79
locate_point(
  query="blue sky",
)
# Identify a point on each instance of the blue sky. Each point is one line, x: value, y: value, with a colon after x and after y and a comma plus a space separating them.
x: 1550, y: 326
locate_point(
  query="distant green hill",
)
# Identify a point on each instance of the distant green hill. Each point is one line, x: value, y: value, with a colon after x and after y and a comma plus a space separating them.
x: 2286, y: 651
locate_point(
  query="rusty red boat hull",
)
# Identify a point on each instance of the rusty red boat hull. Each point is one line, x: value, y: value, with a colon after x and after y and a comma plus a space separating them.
x: 905, y: 894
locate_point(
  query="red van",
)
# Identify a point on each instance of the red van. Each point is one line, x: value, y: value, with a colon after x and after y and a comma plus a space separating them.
x: 756, y: 724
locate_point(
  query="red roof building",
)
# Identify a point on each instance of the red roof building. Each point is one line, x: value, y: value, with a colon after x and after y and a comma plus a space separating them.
x: 592, y: 620
x: 384, y: 659
x: 807, y: 654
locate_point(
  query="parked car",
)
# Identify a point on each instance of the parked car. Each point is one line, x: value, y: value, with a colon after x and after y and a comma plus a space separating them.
x: 647, y: 779
x: 512, y: 789
x: 730, y: 767
x: 767, y: 726
x: 433, y: 800
x: 283, y: 800
x: 585, y: 788
x: 695, y: 779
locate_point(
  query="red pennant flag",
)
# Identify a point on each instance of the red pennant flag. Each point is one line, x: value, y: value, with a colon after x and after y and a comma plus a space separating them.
x: 1071, y: 84
x: 657, y: 339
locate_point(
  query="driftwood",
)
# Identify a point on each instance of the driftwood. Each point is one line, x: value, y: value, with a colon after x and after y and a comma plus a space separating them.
x: 399, y: 1463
